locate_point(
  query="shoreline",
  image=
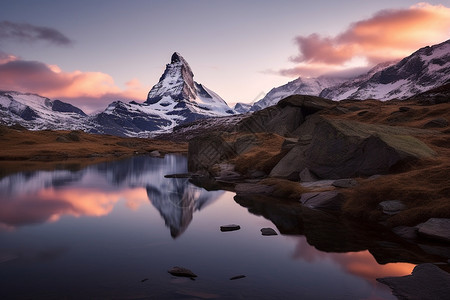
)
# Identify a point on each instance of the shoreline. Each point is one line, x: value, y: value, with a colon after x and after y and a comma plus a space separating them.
x: 25, y: 150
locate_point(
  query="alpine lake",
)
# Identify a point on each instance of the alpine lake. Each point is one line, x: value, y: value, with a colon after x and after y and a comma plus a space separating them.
x: 114, y: 230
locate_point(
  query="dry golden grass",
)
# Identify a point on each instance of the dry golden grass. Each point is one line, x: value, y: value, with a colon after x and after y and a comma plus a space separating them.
x: 423, y: 186
x: 389, y: 112
x: 22, y: 149
x: 424, y: 189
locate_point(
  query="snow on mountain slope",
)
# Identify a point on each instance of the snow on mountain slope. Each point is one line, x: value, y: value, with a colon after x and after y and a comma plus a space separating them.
x: 135, y: 119
x: 347, y: 88
x: 37, y: 113
x: 425, y: 69
x: 303, y: 86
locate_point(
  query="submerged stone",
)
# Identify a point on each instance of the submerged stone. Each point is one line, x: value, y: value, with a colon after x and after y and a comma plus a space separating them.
x: 268, y: 231
x: 181, y: 272
x: 230, y: 227
x: 237, y: 277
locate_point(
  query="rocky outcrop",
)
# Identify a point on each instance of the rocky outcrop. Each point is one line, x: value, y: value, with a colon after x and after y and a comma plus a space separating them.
x: 330, y: 200
x: 331, y: 232
x: 333, y: 149
x: 435, y: 228
x: 207, y: 150
x: 392, y: 207
x: 285, y: 117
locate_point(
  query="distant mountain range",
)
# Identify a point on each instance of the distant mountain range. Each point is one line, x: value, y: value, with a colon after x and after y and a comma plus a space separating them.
x: 177, y: 99
x: 425, y: 69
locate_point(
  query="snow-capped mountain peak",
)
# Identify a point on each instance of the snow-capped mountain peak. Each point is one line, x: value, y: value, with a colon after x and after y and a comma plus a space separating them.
x: 177, y: 84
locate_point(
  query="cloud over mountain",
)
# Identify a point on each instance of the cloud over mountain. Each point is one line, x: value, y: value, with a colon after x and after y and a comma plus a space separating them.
x: 90, y: 90
x: 387, y: 35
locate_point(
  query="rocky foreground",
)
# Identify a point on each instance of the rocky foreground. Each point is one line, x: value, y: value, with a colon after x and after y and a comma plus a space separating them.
x: 384, y: 163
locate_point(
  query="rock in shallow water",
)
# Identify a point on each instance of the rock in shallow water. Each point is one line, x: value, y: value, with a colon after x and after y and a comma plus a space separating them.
x: 427, y: 281
x: 230, y: 227
x: 181, y: 272
x: 237, y: 277
x: 268, y: 231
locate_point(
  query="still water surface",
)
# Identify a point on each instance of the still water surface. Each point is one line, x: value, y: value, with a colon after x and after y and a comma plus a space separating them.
x: 113, y: 230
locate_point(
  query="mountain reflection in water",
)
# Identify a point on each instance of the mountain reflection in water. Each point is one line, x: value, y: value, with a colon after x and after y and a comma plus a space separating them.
x: 91, y: 233
x: 45, y: 196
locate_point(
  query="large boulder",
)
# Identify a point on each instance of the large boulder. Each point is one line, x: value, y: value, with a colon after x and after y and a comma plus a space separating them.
x: 208, y: 150
x: 334, y: 149
x: 329, y: 200
x: 285, y: 117
x: 435, y: 228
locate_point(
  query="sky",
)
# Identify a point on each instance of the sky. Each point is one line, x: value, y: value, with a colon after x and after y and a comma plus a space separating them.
x: 93, y: 52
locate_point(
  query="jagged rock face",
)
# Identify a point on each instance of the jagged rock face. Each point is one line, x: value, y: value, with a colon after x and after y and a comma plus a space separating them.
x: 176, y: 82
x: 60, y: 106
x: 285, y: 117
x: 177, y: 85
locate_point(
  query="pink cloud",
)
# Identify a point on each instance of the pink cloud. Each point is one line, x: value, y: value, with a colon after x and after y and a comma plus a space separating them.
x: 93, y: 90
x: 386, y: 36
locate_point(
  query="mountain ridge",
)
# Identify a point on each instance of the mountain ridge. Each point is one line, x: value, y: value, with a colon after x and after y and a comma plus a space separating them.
x: 425, y: 69
x: 178, y: 99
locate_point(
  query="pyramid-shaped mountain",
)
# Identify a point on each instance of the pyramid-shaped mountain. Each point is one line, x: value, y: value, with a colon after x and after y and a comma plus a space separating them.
x: 176, y: 99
